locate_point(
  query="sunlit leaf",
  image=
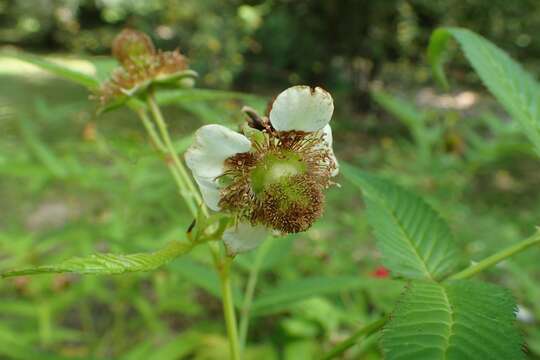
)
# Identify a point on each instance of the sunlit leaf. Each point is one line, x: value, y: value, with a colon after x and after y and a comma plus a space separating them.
x: 57, y: 69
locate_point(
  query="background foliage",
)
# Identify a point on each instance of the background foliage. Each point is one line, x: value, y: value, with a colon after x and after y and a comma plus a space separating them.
x: 72, y: 184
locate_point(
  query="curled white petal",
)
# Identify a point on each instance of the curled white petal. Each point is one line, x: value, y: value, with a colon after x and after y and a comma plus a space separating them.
x: 213, y: 144
x: 302, y: 108
x: 210, y: 191
x: 328, y: 140
x: 243, y: 237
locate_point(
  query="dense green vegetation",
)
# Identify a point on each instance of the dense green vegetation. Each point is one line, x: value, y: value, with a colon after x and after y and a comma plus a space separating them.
x: 73, y: 183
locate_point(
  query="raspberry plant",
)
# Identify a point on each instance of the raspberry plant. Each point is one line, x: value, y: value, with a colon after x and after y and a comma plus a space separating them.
x: 269, y: 178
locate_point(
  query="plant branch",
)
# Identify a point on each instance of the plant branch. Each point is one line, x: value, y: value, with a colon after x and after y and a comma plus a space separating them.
x: 150, y: 128
x: 162, y: 126
x: 178, y: 171
x: 228, y: 308
x: 182, y: 187
x: 250, y: 291
x: 496, y: 258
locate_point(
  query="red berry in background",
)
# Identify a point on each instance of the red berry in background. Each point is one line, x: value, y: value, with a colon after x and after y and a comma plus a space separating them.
x: 381, y: 272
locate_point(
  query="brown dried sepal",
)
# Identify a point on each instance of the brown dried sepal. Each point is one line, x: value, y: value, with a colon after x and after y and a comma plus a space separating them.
x: 132, y: 46
x: 138, y: 72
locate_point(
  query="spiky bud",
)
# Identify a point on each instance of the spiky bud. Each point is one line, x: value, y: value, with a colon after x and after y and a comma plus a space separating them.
x: 132, y: 47
x: 141, y: 66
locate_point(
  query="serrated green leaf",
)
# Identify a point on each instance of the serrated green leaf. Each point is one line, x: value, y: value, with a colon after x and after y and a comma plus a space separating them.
x: 57, y: 69
x: 109, y: 264
x: 414, y: 240
x: 460, y: 320
x: 513, y: 87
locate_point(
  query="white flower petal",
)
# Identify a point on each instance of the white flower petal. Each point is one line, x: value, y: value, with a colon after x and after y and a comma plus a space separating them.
x: 210, y: 191
x: 244, y: 237
x: 302, y: 108
x: 328, y: 138
x: 206, y: 157
x: 327, y: 131
x: 212, y: 146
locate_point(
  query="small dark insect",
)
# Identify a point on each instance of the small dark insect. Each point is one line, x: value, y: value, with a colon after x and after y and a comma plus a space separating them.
x: 255, y: 120
x: 191, y: 226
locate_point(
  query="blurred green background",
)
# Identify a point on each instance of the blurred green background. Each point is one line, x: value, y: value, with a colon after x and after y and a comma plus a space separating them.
x: 72, y: 183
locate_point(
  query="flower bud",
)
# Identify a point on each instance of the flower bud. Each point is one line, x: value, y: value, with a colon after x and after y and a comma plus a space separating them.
x: 132, y: 47
x: 142, y: 66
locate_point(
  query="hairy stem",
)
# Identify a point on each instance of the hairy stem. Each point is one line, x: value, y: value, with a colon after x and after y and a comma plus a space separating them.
x: 150, y: 128
x: 182, y: 187
x: 228, y: 308
x: 250, y: 291
x: 162, y: 126
x: 496, y: 258
x: 352, y: 340
x: 185, y: 185
x: 185, y: 190
x: 190, y: 193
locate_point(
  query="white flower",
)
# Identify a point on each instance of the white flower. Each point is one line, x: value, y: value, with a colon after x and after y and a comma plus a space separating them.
x: 271, y: 179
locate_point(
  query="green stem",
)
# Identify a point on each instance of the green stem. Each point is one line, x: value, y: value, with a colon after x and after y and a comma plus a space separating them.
x: 496, y: 258
x: 250, y: 291
x: 352, y: 340
x: 182, y: 187
x: 162, y: 126
x: 228, y: 308
x: 189, y: 192
x: 178, y: 171
x: 150, y: 128
x: 175, y: 170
